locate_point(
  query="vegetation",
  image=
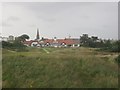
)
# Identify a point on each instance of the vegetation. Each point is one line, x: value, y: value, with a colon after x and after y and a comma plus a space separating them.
x: 89, y: 66
x: 85, y: 41
x: 23, y: 37
x: 95, y: 42
x: 118, y: 59
x: 61, y: 68
x: 17, y: 44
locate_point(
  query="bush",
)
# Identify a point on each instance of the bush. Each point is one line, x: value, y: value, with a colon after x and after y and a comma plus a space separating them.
x: 118, y: 59
x: 114, y: 47
x: 16, y: 46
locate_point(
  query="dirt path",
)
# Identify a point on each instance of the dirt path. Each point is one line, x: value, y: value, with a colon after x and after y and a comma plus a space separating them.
x: 46, y: 50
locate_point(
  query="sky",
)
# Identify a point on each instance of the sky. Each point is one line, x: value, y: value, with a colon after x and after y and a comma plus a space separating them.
x: 60, y: 19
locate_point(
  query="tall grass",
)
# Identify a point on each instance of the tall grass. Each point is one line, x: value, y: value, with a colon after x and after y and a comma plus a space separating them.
x: 61, y: 68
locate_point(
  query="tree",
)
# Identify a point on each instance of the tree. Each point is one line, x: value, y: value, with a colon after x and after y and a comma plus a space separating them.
x: 94, y: 38
x: 116, y: 46
x: 93, y: 41
x: 23, y: 37
x: 84, y: 39
x: 6, y: 44
x: 108, y: 44
x: 100, y: 44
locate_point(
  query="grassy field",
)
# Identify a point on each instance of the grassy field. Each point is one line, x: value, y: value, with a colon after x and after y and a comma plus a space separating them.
x: 59, y: 68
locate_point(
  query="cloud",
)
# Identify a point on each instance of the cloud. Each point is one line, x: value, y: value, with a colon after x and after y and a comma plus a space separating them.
x: 13, y: 18
x: 8, y: 21
x: 5, y: 24
x: 31, y: 25
x: 46, y: 19
x: 61, y: 19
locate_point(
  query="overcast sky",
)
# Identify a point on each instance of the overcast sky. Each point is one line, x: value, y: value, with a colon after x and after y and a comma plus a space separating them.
x: 60, y: 19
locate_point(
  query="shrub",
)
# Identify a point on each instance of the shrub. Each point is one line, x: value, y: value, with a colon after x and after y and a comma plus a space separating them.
x: 118, y: 59
x: 16, y: 46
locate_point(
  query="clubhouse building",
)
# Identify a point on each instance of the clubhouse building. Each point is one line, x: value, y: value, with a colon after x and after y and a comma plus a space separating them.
x: 67, y: 42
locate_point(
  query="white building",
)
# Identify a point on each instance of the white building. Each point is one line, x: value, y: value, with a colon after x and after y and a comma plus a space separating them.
x: 11, y: 38
x: 5, y: 39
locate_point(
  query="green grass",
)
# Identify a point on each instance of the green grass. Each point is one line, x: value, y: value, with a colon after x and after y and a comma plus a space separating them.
x: 61, y: 68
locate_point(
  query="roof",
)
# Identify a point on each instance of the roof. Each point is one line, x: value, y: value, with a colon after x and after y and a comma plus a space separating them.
x: 29, y: 42
x: 60, y: 41
x: 57, y: 41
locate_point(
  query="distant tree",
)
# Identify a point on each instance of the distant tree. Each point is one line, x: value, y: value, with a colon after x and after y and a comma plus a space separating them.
x: 118, y: 43
x: 84, y: 39
x: 91, y: 43
x: 7, y: 44
x: 100, y: 44
x: 118, y: 60
x: 107, y: 43
x: 95, y: 42
x: 23, y: 37
x: 17, y: 46
x: 17, y: 43
x: 116, y: 46
x: 94, y: 39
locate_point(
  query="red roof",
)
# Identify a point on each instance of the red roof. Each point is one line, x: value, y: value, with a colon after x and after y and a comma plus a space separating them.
x: 60, y: 41
x: 68, y: 41
x: 48, y: 41
x: 29, y: 42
